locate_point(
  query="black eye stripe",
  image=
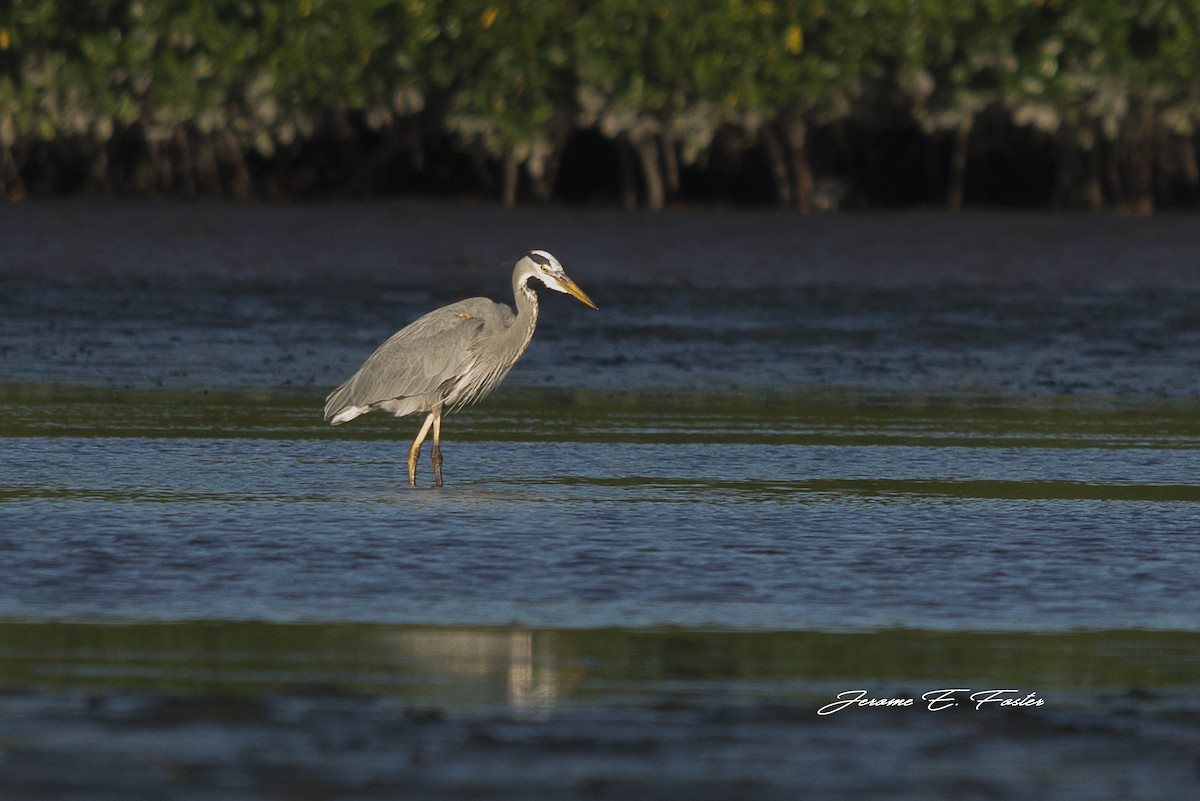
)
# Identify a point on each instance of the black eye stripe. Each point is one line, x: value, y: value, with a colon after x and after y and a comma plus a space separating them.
x: 540, y: 259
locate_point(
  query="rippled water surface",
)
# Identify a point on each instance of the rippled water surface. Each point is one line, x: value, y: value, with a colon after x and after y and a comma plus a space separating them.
x: 787, y: 458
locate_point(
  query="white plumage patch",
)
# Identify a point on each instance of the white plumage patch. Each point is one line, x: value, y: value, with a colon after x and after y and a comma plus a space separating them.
x: 347, y: 414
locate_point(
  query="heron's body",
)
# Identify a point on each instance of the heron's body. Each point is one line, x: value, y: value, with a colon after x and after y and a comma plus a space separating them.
x: 451, y: 357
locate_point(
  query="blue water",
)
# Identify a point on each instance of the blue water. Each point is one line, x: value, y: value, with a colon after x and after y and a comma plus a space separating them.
x: 969, y: 445
x: 1036, y: 472
x: 600, y: 534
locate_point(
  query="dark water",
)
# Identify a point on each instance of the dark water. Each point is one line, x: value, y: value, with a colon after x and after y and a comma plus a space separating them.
x: 786, y: 459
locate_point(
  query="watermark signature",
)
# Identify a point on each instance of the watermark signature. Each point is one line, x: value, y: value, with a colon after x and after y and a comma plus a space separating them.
x: 937, y: 700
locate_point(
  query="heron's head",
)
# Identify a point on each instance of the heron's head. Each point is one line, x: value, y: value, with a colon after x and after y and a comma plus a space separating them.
x: 541, y: 265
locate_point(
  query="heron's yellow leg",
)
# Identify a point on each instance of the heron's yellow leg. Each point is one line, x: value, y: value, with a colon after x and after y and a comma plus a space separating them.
x: 436, y: 453
x: 415, y: 451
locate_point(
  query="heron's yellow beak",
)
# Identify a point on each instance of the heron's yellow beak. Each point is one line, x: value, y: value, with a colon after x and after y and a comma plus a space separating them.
x: 574, y: 291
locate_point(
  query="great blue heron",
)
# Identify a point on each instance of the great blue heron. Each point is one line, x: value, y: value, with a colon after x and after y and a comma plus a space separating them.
x: 449, y: 358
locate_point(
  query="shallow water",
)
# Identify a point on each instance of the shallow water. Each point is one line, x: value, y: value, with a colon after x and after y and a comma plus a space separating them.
x: 369, y: 710
x: 684, y: 524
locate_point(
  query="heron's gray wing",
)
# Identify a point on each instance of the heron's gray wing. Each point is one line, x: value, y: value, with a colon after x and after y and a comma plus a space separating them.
x: 414, y: 368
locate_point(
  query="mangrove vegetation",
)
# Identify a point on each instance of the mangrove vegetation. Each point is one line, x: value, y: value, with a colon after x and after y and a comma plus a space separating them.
x: 805, y: 103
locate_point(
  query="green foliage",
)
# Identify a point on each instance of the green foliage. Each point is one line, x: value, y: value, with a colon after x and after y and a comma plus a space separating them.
x: 511, y: 77
x: 506, y: 68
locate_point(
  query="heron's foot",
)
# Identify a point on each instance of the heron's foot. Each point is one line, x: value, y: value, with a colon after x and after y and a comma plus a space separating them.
x: 437, y: 465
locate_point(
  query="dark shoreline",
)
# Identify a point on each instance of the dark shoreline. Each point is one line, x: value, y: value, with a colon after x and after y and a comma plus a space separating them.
x: 419, y: 240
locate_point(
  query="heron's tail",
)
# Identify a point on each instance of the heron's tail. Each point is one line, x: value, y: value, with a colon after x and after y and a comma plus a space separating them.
x: 338, y: 409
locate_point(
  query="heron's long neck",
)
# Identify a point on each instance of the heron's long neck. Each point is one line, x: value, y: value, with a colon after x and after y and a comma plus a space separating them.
x: 527, y: 307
